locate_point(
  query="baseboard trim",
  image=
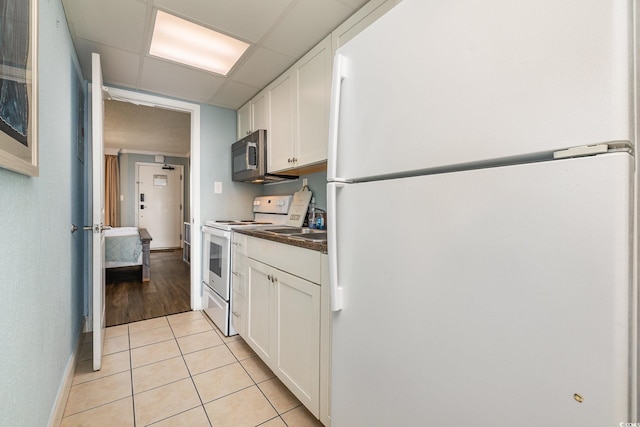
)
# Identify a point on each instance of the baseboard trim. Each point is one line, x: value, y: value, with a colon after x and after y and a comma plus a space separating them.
x: 65, y: 387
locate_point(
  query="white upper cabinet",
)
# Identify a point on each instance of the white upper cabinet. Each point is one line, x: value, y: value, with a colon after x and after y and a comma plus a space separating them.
x: 253, y: 115
x: 244, y: 120
x: 260, y: 111
x: 299, y: 107
x: 281, y: 134
x: 313, y: 78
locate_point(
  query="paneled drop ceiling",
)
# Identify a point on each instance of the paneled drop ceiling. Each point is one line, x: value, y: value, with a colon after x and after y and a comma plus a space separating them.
x: 279, y: 32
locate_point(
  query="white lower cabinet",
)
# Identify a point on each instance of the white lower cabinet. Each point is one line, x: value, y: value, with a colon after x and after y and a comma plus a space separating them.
x: 239, y: 283
x: 284, y: 322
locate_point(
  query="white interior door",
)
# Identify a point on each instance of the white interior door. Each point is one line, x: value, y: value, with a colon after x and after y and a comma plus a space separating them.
x: 160, y: 203
x: 97, y: 179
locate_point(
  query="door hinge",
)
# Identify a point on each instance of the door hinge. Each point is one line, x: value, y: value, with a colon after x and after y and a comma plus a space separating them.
x: 592, y: 150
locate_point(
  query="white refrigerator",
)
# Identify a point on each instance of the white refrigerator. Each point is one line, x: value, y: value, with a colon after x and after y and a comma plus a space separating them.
x: 482, y: 216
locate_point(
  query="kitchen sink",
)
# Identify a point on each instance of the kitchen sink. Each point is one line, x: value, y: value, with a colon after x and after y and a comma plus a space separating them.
x: 293, y: 230
x: 316, y: 236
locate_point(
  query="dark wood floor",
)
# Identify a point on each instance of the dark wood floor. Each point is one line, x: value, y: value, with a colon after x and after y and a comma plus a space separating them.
x: 128, y: 299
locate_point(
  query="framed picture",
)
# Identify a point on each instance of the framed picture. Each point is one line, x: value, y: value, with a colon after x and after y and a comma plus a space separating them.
x: 19, y: 86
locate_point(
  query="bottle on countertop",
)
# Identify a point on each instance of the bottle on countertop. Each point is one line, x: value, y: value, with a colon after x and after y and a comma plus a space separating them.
x: 311, y: 216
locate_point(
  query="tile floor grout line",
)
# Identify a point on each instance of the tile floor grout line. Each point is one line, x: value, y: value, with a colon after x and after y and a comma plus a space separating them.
x: 194, y: 384
x: 133, y: 399
x: 236, y: 357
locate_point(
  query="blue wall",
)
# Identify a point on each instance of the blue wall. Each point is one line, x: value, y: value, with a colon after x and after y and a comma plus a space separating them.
x: 218, y: 132
x: 317, y: 183
x: 41, y: 308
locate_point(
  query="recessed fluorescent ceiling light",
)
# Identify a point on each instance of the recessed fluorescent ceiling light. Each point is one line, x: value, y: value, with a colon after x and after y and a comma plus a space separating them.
x: 182, y: 41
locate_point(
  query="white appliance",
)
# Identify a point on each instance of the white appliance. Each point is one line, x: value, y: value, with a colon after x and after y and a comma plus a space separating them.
x: 217, y: 253
x: 493, y: 279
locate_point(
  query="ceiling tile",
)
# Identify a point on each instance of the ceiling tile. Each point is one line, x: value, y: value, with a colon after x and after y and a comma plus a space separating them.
x: 175, y: 80
x: 310, y: 21
x: 119, y: 23
x: 355, y: 4
x: 262, y: 67
x: 233, y: 95
x: 118, y: 67
x: 246, y: 19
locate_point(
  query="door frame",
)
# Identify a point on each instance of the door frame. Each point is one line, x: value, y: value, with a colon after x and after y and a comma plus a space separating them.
x: 137, y: 204
x: 194, y: 175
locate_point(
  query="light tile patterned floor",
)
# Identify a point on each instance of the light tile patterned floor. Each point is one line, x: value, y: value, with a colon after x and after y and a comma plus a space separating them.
x: 178, y: 370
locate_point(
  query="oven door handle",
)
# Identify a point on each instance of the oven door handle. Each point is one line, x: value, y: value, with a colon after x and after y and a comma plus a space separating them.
x: 216, y: 232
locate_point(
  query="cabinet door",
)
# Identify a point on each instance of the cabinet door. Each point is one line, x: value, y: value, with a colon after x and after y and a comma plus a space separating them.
x: 261, y: 326
x: 313, y: 77
x: 298, y: 338
x: 260, y: 111
x: 244, y: 120
x: 239, y: 274
x: 239, y: 313
x: 280, y: 139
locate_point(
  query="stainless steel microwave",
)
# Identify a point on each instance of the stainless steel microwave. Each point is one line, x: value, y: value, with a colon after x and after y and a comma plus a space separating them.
x: 249, y: 160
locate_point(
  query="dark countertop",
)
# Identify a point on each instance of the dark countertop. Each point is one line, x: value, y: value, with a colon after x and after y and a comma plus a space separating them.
x: 320, y: 246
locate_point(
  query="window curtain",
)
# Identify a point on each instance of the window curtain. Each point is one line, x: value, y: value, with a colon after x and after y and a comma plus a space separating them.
x: 112, y: 191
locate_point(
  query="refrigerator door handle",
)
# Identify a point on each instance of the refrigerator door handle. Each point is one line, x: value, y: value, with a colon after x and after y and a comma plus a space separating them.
x: 334, y: 117
x: 332, y: 236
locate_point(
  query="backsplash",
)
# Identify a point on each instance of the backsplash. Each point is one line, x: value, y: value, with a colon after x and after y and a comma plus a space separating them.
x: 317, y: 183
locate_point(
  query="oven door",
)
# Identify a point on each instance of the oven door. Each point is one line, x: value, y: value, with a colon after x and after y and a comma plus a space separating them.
x: 216, y: 260
x: 217, y: 310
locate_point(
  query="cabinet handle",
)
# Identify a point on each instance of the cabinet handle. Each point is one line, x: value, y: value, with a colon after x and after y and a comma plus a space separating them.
x: 270, y: 278
x: 237, y: 274
x: 235, y: 313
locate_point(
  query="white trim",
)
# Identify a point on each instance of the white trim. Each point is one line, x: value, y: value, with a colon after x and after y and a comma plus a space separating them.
x: 55, y: 418
x: 151, y: 153
x: 194, y: 186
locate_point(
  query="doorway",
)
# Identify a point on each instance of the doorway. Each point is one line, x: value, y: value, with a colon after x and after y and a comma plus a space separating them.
x: 159, y: 203
x: 193, y: 268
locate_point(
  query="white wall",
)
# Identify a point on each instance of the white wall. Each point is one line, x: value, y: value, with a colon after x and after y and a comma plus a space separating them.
x: 41, y: 307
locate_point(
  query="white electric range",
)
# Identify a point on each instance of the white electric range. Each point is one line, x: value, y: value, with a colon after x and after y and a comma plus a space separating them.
x: 268, y: 211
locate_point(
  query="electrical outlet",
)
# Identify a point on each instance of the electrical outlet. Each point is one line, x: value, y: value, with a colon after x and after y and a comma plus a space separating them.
x: 217, y: 187
x: 304, y: 182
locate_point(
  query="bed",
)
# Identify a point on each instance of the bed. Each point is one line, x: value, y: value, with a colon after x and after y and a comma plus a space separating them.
x: 128, y: 246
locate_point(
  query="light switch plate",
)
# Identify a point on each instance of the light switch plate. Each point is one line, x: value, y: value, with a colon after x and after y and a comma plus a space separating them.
x: 217, y: 187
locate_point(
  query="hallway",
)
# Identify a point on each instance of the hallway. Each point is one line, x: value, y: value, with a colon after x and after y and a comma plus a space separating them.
x: 128, y: 299
x: 178, y: 370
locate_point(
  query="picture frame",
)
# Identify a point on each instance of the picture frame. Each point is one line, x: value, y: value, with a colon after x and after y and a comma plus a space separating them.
x: 19, y: 87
